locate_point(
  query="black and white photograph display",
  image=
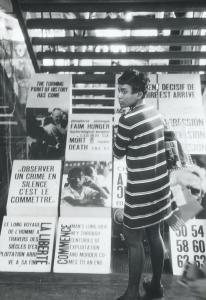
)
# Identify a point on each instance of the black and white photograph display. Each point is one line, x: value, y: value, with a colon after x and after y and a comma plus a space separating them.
x: 48, y: 106
x: 86, y: 184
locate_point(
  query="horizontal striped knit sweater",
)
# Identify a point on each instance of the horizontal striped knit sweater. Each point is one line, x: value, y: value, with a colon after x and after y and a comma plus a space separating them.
x: 140, y: 137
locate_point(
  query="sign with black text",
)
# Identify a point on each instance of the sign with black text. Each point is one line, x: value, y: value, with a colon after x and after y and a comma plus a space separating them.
x: 151, y: 98
x: 89, y: 137
x: 34, y: 188
x: 178, y: 91
x: 26, y: 244
x: 83, y: 245
x: 50, y: 90
x: 188, y: 244
x: 189, y: 125
x: 119, y: 182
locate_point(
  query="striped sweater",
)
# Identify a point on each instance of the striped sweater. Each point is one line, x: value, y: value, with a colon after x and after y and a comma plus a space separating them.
x: 140, y: 137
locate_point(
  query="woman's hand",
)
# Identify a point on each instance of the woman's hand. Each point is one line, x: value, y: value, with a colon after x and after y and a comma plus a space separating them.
x: 175, y: 221
x: 186, y: 177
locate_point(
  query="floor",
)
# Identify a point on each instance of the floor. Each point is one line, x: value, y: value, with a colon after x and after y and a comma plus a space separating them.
x: 76, y: 287
x: 53, y: 286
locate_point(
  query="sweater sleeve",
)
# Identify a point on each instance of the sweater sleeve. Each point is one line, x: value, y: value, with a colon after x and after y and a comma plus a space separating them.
x: 123, y: 138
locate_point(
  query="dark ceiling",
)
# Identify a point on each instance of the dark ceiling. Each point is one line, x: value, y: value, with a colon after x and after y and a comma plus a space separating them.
x: 178, y: 51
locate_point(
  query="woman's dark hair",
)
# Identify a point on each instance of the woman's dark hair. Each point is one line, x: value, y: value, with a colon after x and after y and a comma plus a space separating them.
x: 138, y: 81
x: 88, y: 171
x: 74, y: 173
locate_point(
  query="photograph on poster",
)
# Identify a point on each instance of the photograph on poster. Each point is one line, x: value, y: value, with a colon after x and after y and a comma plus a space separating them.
x: 200, y: 193
x: 86, y: 183
x: 188, y: 186
x: 46, y: 130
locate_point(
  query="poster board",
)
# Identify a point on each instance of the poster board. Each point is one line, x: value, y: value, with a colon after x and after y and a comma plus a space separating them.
x: 180, y: 103
x: 89, y: 137
x: 50, y: 90
x: 83, y: 246
x: 26, y: 244
x: 49, y: 103
x: 188, y: 244
x: 119, y: 182
x: 179, y: 91
x: 151, y: 97
x: 34, y: 188
x: 189, y: 125
x: 86, y: 189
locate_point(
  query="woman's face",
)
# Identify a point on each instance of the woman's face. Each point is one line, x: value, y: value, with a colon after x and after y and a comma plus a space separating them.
x: 126, y: 97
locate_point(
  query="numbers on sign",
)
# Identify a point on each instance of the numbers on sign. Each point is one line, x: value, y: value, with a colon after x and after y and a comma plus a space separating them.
x: 181, y: 231
x: 201, y: 231
x: 198, y: 246
x: 181, y: 260
x: 199, y: 259
x: 197, y: 230
x: 120, y: 191
x: 182, y: 246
